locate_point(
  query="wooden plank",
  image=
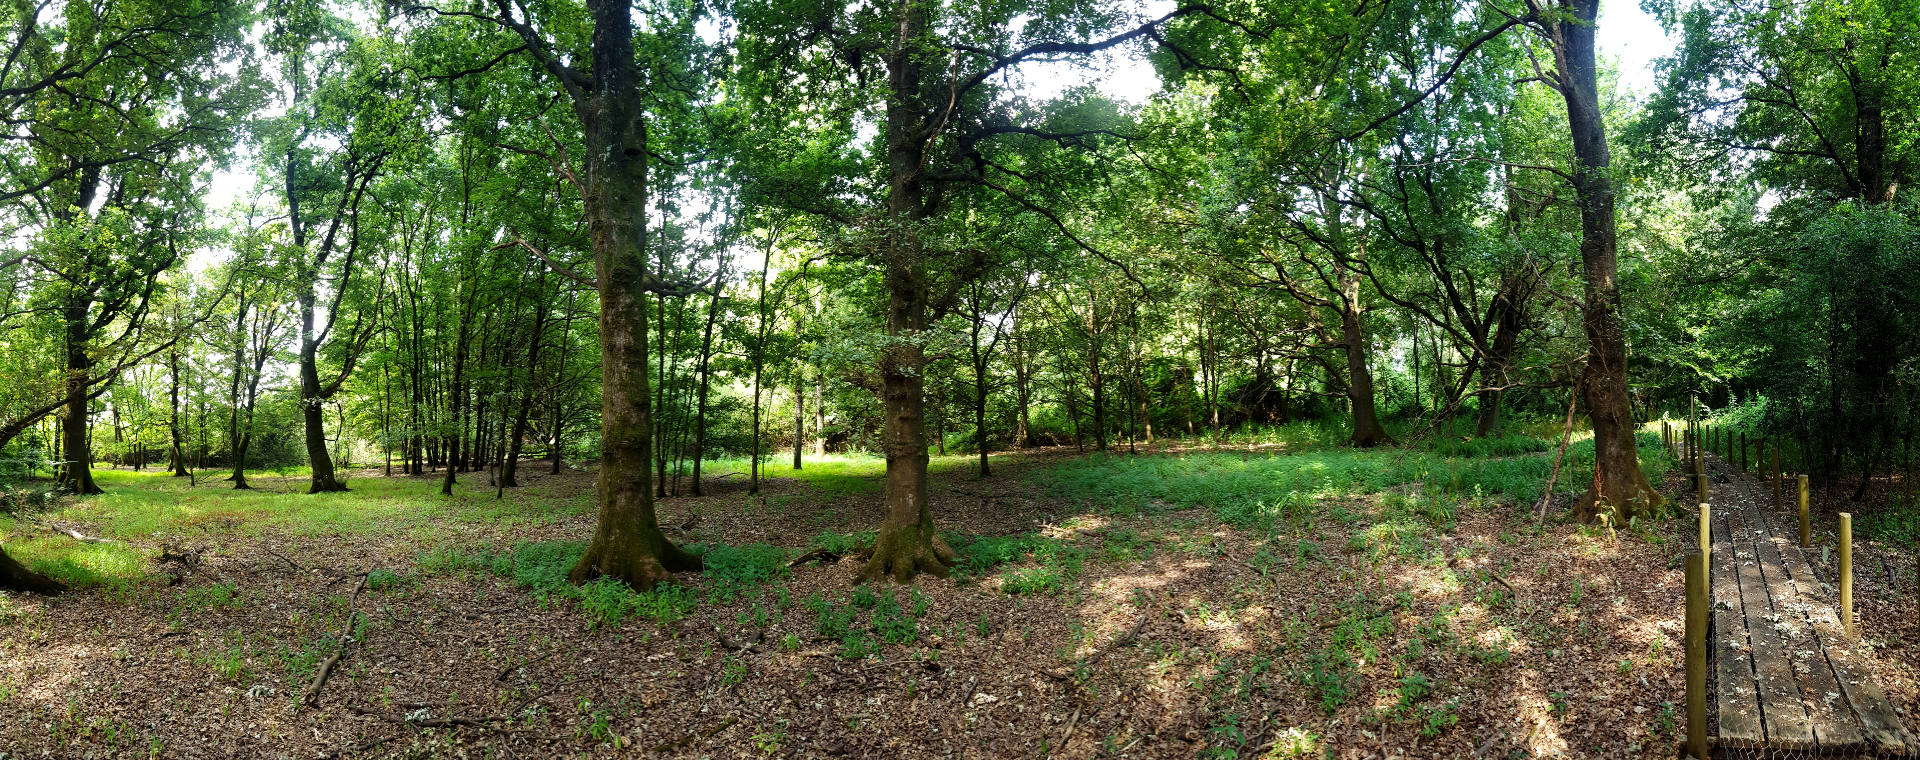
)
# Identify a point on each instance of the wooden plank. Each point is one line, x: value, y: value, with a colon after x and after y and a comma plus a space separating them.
x: 1736, y: 693
x: 1783, y: 712
x: 1831, y: 718
x: 1879, y: 724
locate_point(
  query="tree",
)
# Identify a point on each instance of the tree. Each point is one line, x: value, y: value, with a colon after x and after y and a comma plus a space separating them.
x: 607, y: 99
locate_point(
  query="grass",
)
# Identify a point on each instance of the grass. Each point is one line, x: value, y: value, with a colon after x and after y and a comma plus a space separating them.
x: 835, y: 474
x: 732, y: 572
x: 1264, y: 491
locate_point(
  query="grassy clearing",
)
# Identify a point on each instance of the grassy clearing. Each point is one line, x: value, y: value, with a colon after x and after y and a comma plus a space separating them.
x: 140, y: 505
x: 1257, y: 491
x: 833, y: 474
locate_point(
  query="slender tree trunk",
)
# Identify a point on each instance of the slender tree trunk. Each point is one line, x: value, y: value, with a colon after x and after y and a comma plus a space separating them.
x: 760, y: 361
x: 510, y: 467
x: 706, y: 357
x: 819, y: 415
x: 799, y: 413
x: 1618, y: 483
x: 179, y: 451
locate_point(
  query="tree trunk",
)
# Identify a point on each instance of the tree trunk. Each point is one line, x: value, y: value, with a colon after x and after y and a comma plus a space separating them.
x: 706, y: 357
x: 760, y: 361
x: 906, y: 543
x: 799, y: 413
x: 510, y: 466
x: 627, y: 543
x: 178, y: 453
x: 1618, y: 483
x: 16, y: 577
x: 819, y: 415
x: 1499, y: 359
x: 78, y: 476
x: 1367, y: 431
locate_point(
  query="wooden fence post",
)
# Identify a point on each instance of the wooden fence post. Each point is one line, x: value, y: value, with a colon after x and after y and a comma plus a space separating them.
x: 1743, y: 451
x: 1697, y: 655
x: 1700, y: 490
x: 1776, y: 475
x: 1806, y: 519
x: 1846, y: 572
x: 1706, y: 530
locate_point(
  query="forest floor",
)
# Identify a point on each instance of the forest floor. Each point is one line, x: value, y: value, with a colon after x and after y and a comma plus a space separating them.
x: 1163, y: 605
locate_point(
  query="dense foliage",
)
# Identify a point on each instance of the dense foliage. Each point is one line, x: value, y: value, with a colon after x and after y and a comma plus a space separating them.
x: 819, y: 227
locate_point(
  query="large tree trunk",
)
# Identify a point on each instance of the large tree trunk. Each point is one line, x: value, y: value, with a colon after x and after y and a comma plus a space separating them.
x: 906, y: 543
x: 1618, y: 484
x: 627, y: 543
x: 78, y: 475
x: 15, y: 576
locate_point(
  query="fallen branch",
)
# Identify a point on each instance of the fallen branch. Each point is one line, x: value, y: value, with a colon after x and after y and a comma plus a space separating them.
x: 76, y: 535
x: 820, y: 554
x: 312, y: 696
x: 1566, y: 436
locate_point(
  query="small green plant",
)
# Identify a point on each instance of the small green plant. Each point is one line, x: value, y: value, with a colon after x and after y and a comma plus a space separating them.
x: 1033, y: 580
x: 732, y: 672
x: 1330, y: 677
x: 386, y: 580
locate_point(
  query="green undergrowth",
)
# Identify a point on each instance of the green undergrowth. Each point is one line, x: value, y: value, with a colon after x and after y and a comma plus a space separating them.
x: 868, y: 619
x: 730, y: 574
x: 1490, y: 446
x: 1045, y: 565
x: 1894, y: 523
x: 1251, y: 490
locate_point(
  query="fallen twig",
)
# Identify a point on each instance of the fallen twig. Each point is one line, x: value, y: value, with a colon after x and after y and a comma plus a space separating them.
x: 691, y: 738
x: 290, y: 563
x: 509, y: 671
x: 312, y: 696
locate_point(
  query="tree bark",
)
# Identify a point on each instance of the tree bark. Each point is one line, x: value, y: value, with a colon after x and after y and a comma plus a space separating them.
x: 15, y: 576
x: 627, y: 543
x: 178, y: 452
x: 906, y: 543
x: 1367, y: 431
x: 1618, y: 483
x: 706, y: 358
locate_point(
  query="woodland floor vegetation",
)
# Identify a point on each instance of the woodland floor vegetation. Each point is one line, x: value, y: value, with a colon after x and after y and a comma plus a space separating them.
x: 1231, y: 600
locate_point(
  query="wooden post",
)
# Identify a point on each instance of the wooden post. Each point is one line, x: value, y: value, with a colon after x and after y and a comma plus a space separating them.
x: 1700, y: 491
x: 1706, y: 530
x: 1806, y: 520
x: 1776, y: 475
x: 1846, y: 572
x: 1697, y: 655
x: 1743, y: 451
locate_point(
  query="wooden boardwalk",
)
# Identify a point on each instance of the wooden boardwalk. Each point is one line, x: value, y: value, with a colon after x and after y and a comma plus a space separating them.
x: 1786, y: 680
